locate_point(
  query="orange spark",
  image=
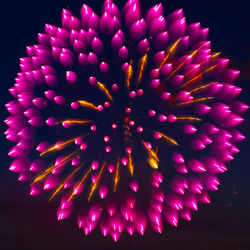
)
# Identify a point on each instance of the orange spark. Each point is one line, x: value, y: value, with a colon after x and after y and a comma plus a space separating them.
x: 117, y: 175
x: 141, y: 66
x: 44, y: 174
x: 57, y: 146
x: 151, y: 152
x: 89, y: 105
x: 95, y: 185
x: 80, y: 183
x: 196, y: 77
x: 215, y: 54
x: 153, y: 163
x: 189, y: 118
x: 103, y: 89
x: 75, y: 122
x: 62, y: 184
x: 199, y: 88
x: 194, y: 101
x: 130, y: 165
x: 129, y: 74
x: 170, y: 51
x: 168, y: 139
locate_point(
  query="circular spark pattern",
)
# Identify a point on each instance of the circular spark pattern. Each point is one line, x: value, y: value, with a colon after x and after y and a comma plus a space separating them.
x: 128, y: 118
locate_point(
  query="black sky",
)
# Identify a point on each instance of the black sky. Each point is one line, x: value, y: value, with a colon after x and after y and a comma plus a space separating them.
x: 30, y: 223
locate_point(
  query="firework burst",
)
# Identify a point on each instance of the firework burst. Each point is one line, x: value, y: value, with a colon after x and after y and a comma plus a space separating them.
x: 130, y: 119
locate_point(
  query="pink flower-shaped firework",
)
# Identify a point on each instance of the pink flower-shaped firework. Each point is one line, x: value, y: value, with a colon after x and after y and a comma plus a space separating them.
x: 128, y: 118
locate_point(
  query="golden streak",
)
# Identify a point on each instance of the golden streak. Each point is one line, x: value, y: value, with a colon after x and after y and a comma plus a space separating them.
x: 117, y: 175
x: 190, y: 71
x: 192, y: 54
x: 153, y: 157
x: 142, y: 64
x: 171, y: 50
x: 104, y: 90
x: 57, y: 146
x: 196, y: 51
x: 196, y: 77
x: 199, y: 88
x: 191, y: 80
x: 130, y: 165
x: 77, y: 122
x: 169, y: 139
x: 129, y: 75
x: 189, y: 118
x: 44, y: 174
x: 80, y: 183
x: 173, y: 72
x: 95, y: 185
x: 151, y: 152
x: 153, y: 163
x: 195, y: 101
x: 62, y: 184
x: 89, y: 105
x: 66, y: 159
x: 215, y: 54
x: 173, y: 47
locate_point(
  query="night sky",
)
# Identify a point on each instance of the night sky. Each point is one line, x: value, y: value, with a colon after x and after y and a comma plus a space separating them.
x: 31, y: 223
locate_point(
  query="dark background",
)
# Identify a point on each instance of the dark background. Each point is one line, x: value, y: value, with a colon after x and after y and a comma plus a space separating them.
x: 30, y: 223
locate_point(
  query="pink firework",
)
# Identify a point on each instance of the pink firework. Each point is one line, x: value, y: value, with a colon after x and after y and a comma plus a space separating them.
x: 128, y: 118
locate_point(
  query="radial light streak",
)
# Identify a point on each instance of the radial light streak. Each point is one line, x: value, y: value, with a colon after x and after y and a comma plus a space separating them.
x: 129, y: 74
x: 102, y: 88
x: 59, y: 188
x: 199, y: 100
x: 117, y: 175
x: 142, y: 64
x: 89, y: 105
x: 96, y: 183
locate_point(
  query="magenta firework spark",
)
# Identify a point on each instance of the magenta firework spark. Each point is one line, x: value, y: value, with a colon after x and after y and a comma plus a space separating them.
x: 129, y: 118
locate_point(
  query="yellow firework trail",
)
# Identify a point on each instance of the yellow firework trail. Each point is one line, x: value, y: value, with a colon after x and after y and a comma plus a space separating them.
x: 153, y: 163
x: 189, y: 118
x: 80, y: 183
x: 192, y: 55
x: 141, y: 67
x: 194, y: 101
x: 153, y: 156
x: 89, y: 105
x: 190, y: 71
x: 130, y: 165
x: 196, y: 51
x: 62, y: 184
x: 49, y: 170
x: 169, y: 51
x: 174, y: 71
x: 104, y: 90
x: 58, y: 146
x: 170, y: 140
x: 199, y: 88
x: 66, y: 159
x: 117, y: 175
x: 129, y: 75
x: 75, y: 122
x: 95, y: 185
x: 151, y: 152
x: 197, y: 77
x: 215, y: 54
x: 43, y: 174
